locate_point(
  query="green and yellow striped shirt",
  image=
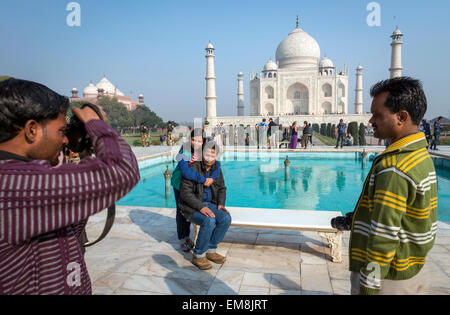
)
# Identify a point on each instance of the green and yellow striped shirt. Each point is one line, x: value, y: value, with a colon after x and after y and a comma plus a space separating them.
x: 395, y: 221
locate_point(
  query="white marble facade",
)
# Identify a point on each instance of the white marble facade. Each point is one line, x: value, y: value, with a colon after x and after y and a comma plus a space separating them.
x: 299, y: 83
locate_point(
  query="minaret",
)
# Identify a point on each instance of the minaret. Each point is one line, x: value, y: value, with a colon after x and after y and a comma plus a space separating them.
x: 396, y: 58
x: 240, y: 107
x: 359, y: 90
x: 210, y: 83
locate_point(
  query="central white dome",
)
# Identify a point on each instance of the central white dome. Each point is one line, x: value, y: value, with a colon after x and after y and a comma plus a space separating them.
x: 298, y: 50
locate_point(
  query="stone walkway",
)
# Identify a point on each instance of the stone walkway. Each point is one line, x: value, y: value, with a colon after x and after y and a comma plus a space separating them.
x: 141, y: 256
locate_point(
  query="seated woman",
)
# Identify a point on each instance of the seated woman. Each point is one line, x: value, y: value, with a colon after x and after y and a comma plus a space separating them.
x: 189, y: 153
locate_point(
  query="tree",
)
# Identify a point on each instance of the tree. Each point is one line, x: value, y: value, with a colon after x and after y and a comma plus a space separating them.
x: 117, y: 113
x: 316, y: 128
x: 323, y: 129
x: 142, y: 114
x: 333, y: 131
x: 362, y: 134
x: 329, y: 130
x: 353, y: 130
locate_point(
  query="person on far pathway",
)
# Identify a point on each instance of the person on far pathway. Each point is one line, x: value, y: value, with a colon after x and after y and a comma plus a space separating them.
x: 294, y: 136
x: 341, y: 129
x: 437, y: 133
x: 425, y: 128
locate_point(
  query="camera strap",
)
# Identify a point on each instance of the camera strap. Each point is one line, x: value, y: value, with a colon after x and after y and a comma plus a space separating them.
x: 108, y: 225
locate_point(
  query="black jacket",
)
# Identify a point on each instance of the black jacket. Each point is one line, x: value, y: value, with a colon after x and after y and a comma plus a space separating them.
x: 191, y: 193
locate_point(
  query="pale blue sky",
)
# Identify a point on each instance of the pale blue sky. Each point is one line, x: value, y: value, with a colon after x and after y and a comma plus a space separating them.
x: 157, y: 47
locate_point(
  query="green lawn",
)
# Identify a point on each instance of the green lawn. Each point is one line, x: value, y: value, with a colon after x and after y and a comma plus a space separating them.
x: 325, y: 140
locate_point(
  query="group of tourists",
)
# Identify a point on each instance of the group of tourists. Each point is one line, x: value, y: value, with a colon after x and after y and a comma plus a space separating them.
x: 307, y: 133
x: 200, y: 196
x: 434, y: 139
x: 45, y: 205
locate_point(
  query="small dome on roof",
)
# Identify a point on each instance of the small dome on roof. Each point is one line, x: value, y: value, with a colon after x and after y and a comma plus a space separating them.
x: 271, y: 66
x: 326, y: 63
x: 90, y: 90
x: 210, y: 46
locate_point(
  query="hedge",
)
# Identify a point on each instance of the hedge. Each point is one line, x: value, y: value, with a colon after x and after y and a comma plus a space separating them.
x: 362, y: 134
x: 353, y: 130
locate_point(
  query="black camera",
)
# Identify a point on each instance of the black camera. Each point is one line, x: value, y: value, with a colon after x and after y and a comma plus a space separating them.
x: 79, y: 140
x: 343, y: 223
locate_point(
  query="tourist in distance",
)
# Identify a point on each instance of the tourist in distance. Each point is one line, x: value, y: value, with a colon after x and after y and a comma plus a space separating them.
x: 305, y: 135
x: 44, y: 256
x: 189, y: 153
x: 425, y: 128
x: 205, y: 206
x: 294, y: 136
x: 341, y: 130
x: 395, y: 221
x: 437, y: 133
x: 144, y: 135
x: 349, y: 140
x: 272, y: 134
x: 310, y: 134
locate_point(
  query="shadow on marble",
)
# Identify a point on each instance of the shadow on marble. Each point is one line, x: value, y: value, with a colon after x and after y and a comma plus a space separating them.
x: 185, y: 280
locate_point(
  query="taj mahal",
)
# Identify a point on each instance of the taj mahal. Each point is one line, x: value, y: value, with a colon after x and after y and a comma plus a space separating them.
x: 298, y: 86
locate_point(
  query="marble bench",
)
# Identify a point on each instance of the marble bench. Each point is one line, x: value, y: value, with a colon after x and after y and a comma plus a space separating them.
x: 298, y: 220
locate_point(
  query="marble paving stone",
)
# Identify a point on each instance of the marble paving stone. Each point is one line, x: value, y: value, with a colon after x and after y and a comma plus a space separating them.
x: 285, y: 282
x: 257, y: 279
x: 220, y: 288
x: 278, y: 238
x: 262, y: 263
x: 313, y: 258
x: 230, y: 277
x: 339, y: 271
x: 341, y: 287
x: 315, y: 278
x: 112, y: 280
x: 442, y: 240
x: 284, y: 292
x: 439, y: 249
x: 100, y: 290
x: 440, y: 259
x: 172, y: 271
x: 165, y: 285
x: 249, y: 290
x: 245, y: 238
x: 131, y: 292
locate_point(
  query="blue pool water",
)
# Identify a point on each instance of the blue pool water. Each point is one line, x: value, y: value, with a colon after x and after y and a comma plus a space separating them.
x: 327, y: 182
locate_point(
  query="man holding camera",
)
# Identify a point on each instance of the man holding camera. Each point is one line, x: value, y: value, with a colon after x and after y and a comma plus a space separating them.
x: 395, y: 221
x: 44, y: 209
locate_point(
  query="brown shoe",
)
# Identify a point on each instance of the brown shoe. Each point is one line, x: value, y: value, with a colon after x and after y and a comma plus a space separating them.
x: 202, y: 263
x: 216, y: 258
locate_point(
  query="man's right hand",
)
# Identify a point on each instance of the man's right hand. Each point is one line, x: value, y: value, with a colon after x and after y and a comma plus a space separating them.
x: 206, y: 211
x: 87, y: 114
x: 208, y: 182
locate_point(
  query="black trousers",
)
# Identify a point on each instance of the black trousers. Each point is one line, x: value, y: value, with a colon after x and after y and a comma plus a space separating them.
x: 183, y: 226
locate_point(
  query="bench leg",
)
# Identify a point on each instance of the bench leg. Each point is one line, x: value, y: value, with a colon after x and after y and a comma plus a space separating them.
x: 196, y: 229
x: 335, y: 244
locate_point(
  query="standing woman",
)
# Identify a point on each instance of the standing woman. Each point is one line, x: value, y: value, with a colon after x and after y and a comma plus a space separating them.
x: 294, y: 136
x: 189, y: 153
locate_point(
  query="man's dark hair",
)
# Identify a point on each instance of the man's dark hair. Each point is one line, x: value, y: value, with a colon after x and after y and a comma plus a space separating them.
x: 405, y: 93
x: 264, y: 120
x: 440, y: 117
x: 21, y: 101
